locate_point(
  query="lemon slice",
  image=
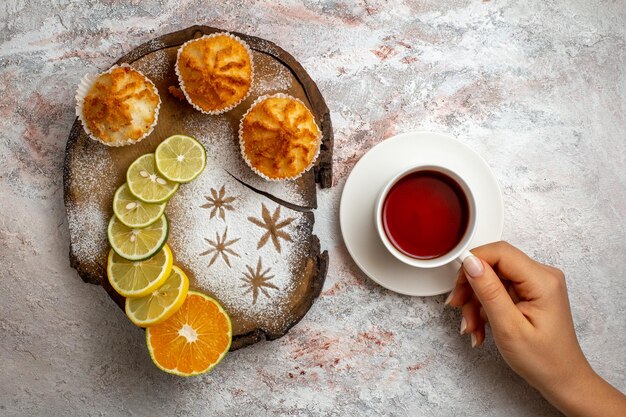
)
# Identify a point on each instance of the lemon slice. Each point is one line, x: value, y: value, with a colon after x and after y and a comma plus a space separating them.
x: 180, y: 158
x: 137, y: 244
x: 133, y: 212
x: 161, y: 303
x: 139, y: 278
x: 145, y: 182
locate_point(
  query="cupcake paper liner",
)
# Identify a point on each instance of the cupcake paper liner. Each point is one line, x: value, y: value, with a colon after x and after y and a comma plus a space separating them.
x: 83, y: 89
x: 182, y: 83
x: 242, y: 145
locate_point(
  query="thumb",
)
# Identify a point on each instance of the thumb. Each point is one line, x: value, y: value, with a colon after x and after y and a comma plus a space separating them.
x: 489, y: 290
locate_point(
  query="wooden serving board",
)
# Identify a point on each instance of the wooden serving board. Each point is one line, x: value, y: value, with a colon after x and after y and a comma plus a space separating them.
x: 267, y: 281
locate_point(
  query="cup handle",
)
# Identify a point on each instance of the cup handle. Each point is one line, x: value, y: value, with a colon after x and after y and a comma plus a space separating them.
x: 463, y: 255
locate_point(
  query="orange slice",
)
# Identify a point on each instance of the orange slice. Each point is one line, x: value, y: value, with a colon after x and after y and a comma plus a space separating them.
x: 193, y: 340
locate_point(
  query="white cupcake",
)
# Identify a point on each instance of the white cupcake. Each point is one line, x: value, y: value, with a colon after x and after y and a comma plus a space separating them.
x: 119, y: 106
x: 279, y: 137
x: 215, y: 72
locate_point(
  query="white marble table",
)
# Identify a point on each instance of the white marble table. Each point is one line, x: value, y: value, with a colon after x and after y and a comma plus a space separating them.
x: 538, y: 89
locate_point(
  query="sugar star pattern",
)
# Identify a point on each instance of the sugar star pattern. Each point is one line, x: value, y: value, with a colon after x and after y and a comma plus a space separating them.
x: 218, y: 203
x: 220, y: 247
x: 257, y: 280
x: 273, y: 225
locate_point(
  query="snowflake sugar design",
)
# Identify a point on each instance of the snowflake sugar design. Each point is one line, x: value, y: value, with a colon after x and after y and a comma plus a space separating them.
x: 257, y: 280
x: 218, y: 203
x: 273, y: 227
x: 220, y: 247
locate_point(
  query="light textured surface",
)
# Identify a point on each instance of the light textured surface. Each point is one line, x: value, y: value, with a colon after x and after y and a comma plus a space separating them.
x: 538, y: 88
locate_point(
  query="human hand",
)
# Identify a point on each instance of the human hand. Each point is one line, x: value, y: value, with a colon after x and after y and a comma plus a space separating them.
x: 526, y: 305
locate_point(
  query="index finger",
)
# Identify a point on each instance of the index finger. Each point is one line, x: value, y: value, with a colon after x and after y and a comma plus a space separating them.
x: 509, y: 262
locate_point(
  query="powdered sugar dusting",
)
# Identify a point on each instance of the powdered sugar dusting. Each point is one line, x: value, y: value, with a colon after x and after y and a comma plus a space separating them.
x: 155, y: 43
x: 194, y: 234
x: 271, y: 78
x: 88, y: 170
x: 88, y: 225
x: 86, y: 218
x: 155, y: 66
x: 268, y: 47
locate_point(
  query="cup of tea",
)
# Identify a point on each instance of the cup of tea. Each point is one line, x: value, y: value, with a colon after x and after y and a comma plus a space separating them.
x: 426, y: 216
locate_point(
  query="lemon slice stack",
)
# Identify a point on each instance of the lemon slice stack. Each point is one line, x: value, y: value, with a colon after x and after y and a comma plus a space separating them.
x: 141, y: 266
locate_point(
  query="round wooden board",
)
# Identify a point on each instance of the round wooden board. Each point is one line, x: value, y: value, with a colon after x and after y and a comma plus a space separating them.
x: 294, y: 265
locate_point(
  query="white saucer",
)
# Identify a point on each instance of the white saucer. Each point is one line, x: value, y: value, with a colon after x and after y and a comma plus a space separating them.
x: 375, y: 169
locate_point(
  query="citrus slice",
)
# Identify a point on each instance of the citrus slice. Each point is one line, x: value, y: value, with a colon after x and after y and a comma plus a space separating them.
x: 193, y: 340
x: 145, y: 182
x: 180, y: 158
x: 137, y: 244
x: 133, y: 212
x: 158, y: 306
x: 139, y: 278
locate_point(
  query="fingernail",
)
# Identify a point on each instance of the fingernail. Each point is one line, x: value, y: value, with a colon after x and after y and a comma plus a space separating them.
x: 449, y: 297
x: 473, y: 337
x: 473, y: 266
x: 463, y: 325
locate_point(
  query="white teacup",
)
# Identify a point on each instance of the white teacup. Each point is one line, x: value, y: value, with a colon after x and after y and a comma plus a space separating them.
x: 460, y: 251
